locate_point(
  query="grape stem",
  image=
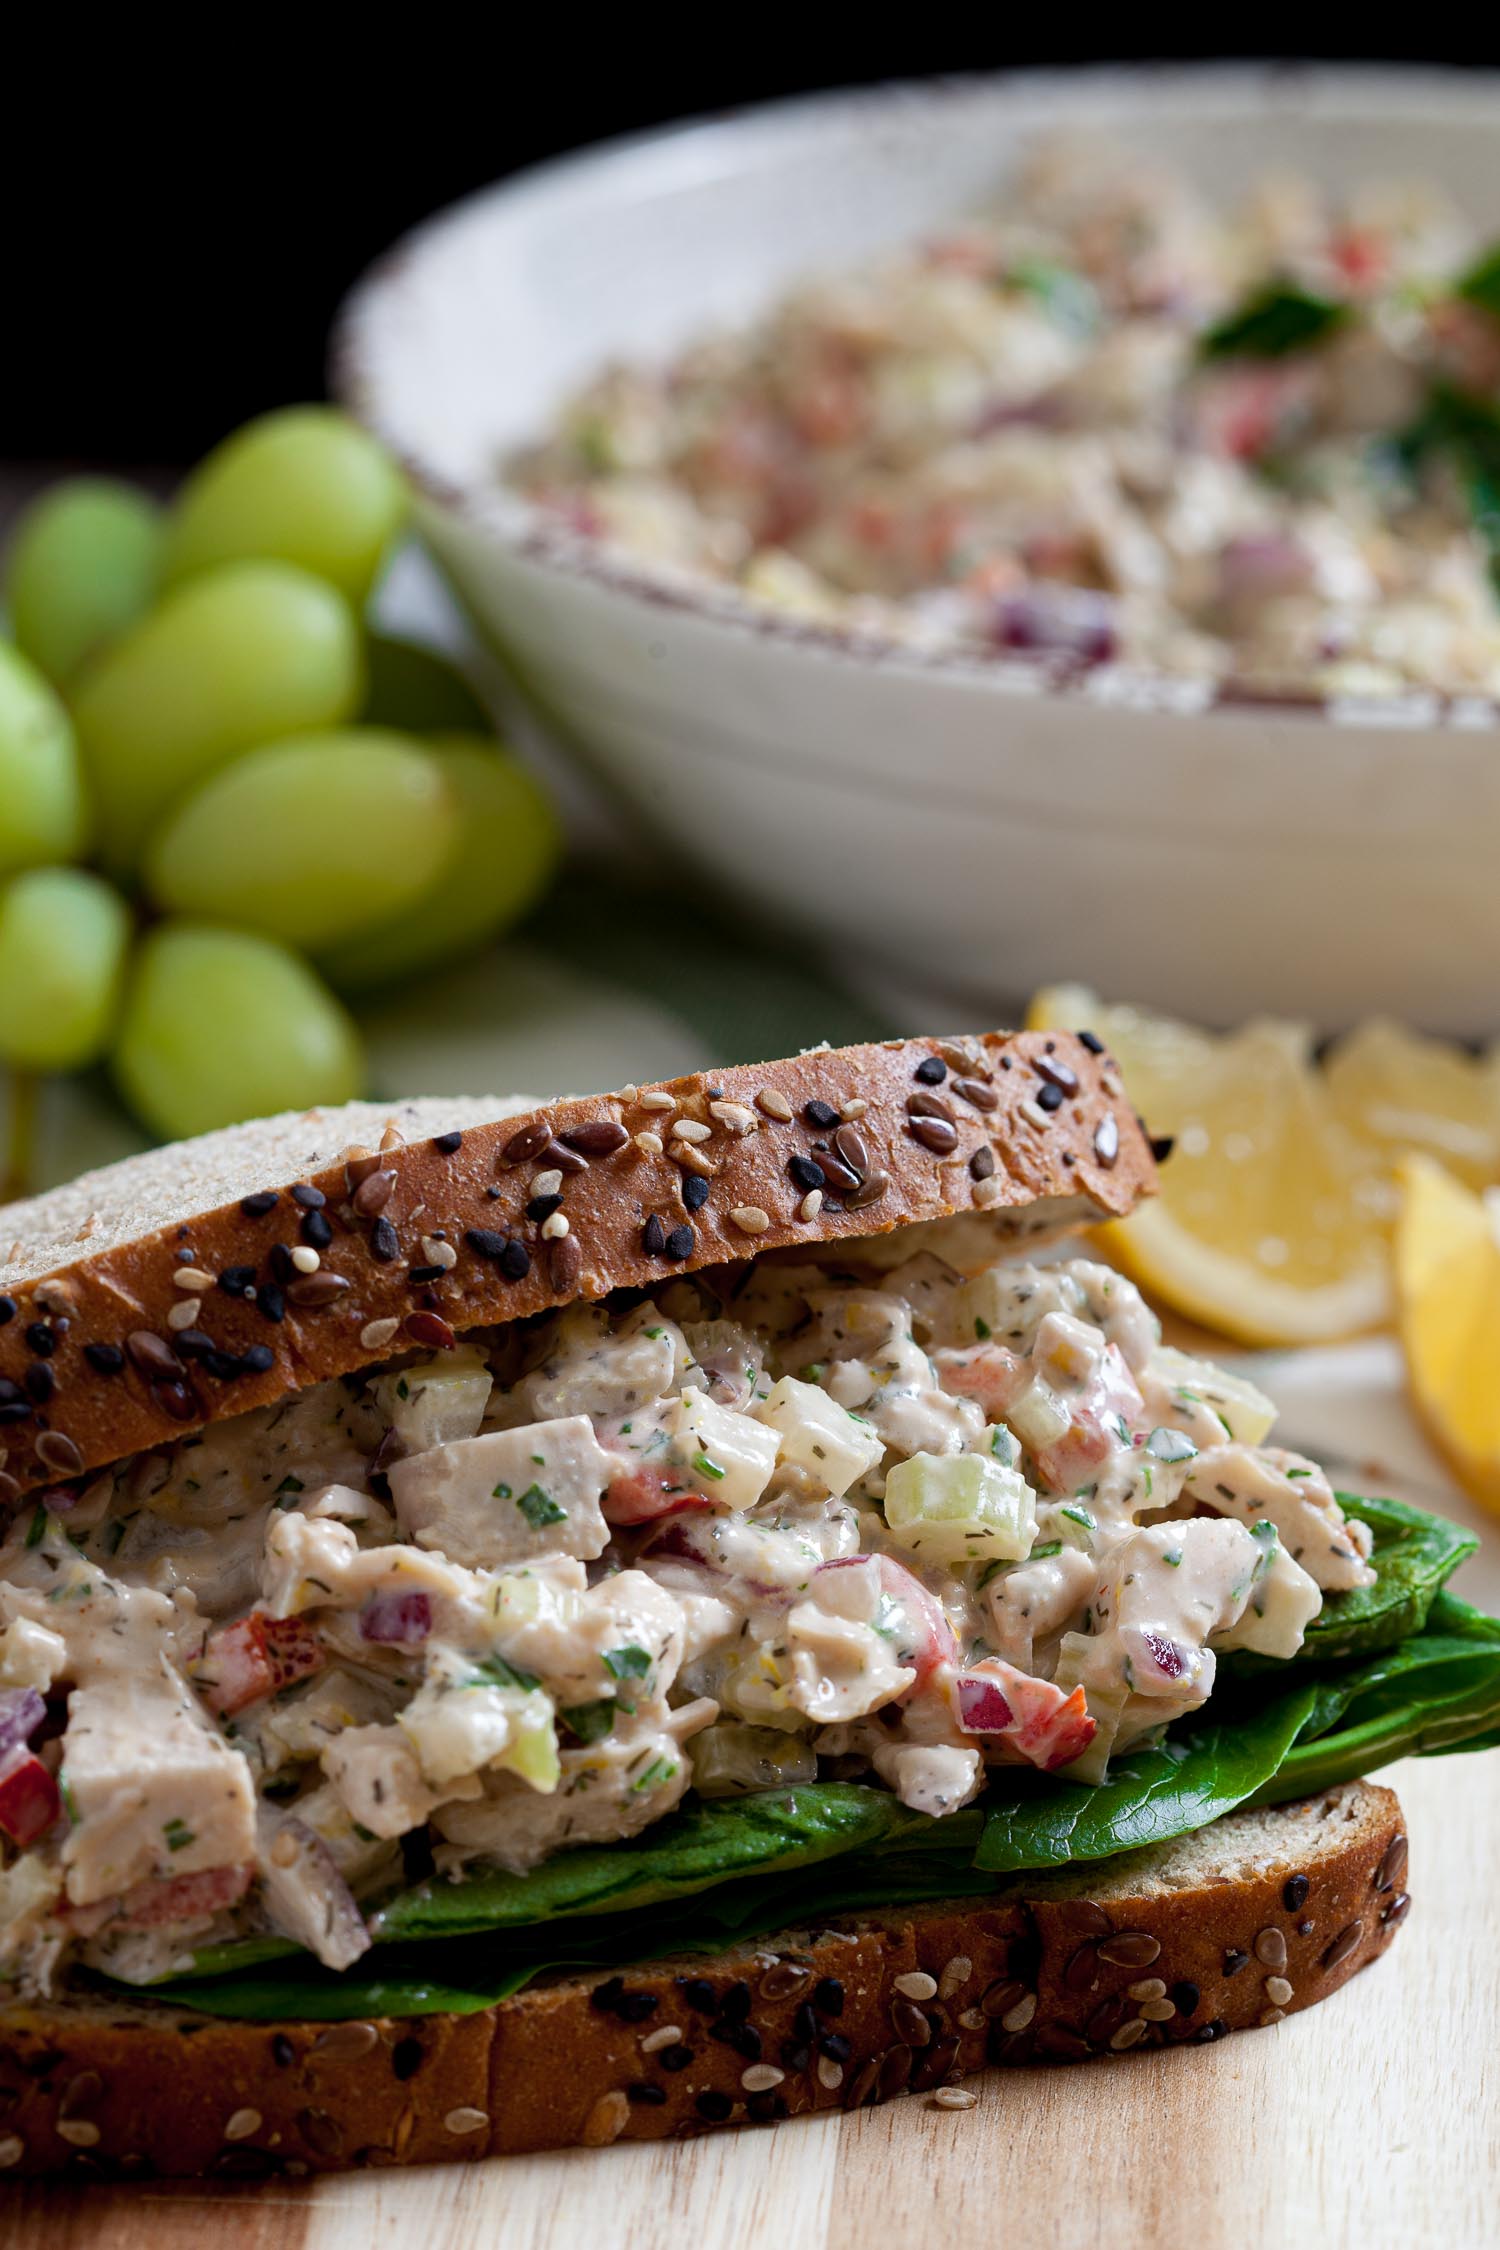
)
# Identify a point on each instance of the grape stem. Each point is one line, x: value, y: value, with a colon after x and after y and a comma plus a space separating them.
x: 20, y: 1134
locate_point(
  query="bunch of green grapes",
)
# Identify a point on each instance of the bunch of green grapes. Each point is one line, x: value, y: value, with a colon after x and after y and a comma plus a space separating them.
x: 227, y: 805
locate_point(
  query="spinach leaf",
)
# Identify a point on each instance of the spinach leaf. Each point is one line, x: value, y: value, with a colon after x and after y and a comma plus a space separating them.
x: 1481, y: 284
x: 1147, y: 1795
x: 700, y: 1845
x: 460, y: 1977
x: 1464, y: 430
x: 1273, y: 321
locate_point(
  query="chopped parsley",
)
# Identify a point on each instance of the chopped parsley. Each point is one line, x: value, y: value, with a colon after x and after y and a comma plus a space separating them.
x: 539, y: 1508
x: 660, y: 1769
x: 498, y: 1673
x: 177, y: 1835
x: 590, y: 1722
x: 628, y: 1663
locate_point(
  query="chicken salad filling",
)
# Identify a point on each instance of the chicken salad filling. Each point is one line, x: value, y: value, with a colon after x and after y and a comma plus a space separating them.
x: 1097, y: 421
x: 777, y: 1524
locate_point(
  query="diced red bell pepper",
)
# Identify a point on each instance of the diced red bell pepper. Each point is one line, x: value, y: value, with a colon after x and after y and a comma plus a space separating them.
x: 1111, y: 1404
x: 642, y: 1495
x: 184, y: 1898
x: 254, y: 1657
x: 986, y: 1373
x: 29, y: 1797
x: 1030, y: 1718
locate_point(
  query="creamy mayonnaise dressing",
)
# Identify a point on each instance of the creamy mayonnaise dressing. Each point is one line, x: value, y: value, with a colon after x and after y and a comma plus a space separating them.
x: 525, y: 1594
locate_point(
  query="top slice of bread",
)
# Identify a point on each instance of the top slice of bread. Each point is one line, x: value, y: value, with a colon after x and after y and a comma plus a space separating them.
x: 193, y: 1283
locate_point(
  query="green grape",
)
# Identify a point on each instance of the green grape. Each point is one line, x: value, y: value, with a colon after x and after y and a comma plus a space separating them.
x: 240, y: 656
x: 64, y: 935
x: 417, y: 691
x: 220, y: 1025
x: 502, y: 859
x: 303, y: 486
x: 43, y: 810
x: 309, y: 839
x: 82, y: 566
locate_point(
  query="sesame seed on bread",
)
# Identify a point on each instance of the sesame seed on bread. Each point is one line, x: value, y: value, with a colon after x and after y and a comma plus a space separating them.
x: 195, y: 1282
x: 1176, y: 1945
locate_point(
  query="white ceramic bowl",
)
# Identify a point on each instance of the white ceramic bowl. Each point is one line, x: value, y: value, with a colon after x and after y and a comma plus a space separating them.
x: 952, y: 818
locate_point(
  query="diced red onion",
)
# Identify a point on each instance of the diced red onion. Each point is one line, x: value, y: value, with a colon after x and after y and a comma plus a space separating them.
x: 22, y: 1711
x: 982, y: 1709
x: 396, y: 1620
x: 1165, y: 1655
x: 30, y: 1802
x: 1046, y: 620
x: 308, y: 1897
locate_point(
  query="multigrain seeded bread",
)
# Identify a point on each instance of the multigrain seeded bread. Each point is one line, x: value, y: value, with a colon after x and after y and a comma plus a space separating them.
x: 1178, y: 1944
x: 169, y: 1291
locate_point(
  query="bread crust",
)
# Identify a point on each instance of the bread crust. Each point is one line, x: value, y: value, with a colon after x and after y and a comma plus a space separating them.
x: 409, y: 1246
x: 855, y: 2011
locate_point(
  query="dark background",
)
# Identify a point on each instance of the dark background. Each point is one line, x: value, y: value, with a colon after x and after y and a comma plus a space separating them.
x: 175, y: 245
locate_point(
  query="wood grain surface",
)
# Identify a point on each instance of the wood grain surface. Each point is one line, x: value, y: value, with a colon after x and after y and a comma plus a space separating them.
x: 1372, y: 2120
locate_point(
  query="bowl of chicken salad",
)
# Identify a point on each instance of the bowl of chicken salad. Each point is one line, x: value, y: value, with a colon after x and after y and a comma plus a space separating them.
x: 952, y: 515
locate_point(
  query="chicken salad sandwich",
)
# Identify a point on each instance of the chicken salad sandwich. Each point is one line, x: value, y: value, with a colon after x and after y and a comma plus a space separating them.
x: 524, y: 1626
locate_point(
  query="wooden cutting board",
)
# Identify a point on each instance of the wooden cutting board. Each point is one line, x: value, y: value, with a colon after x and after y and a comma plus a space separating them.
x: 1372, y: 2120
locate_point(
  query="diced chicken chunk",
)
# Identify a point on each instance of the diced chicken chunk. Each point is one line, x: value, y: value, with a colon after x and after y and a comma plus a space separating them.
x: 1294, y: 1494
x: 378, y: 1778
x: 930, y: 1778
x: 593, y: 1367
x: 607, y: 1791
x: 621, y: 1639
x: 152, y: 1789
x: 507, y: 1495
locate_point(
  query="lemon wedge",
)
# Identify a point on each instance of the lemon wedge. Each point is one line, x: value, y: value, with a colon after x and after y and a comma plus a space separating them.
x: 1448, y: 1289
x: 1273, y: 1217
x: 1399, y: 1091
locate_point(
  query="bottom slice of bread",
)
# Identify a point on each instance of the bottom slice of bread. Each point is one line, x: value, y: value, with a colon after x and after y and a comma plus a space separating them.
x: 1174, y: 1945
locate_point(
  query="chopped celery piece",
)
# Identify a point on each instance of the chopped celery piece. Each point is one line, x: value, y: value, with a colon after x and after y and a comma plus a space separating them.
x: 437, y: 1400
x: 960, y: 1508
x: 731, y: 1760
